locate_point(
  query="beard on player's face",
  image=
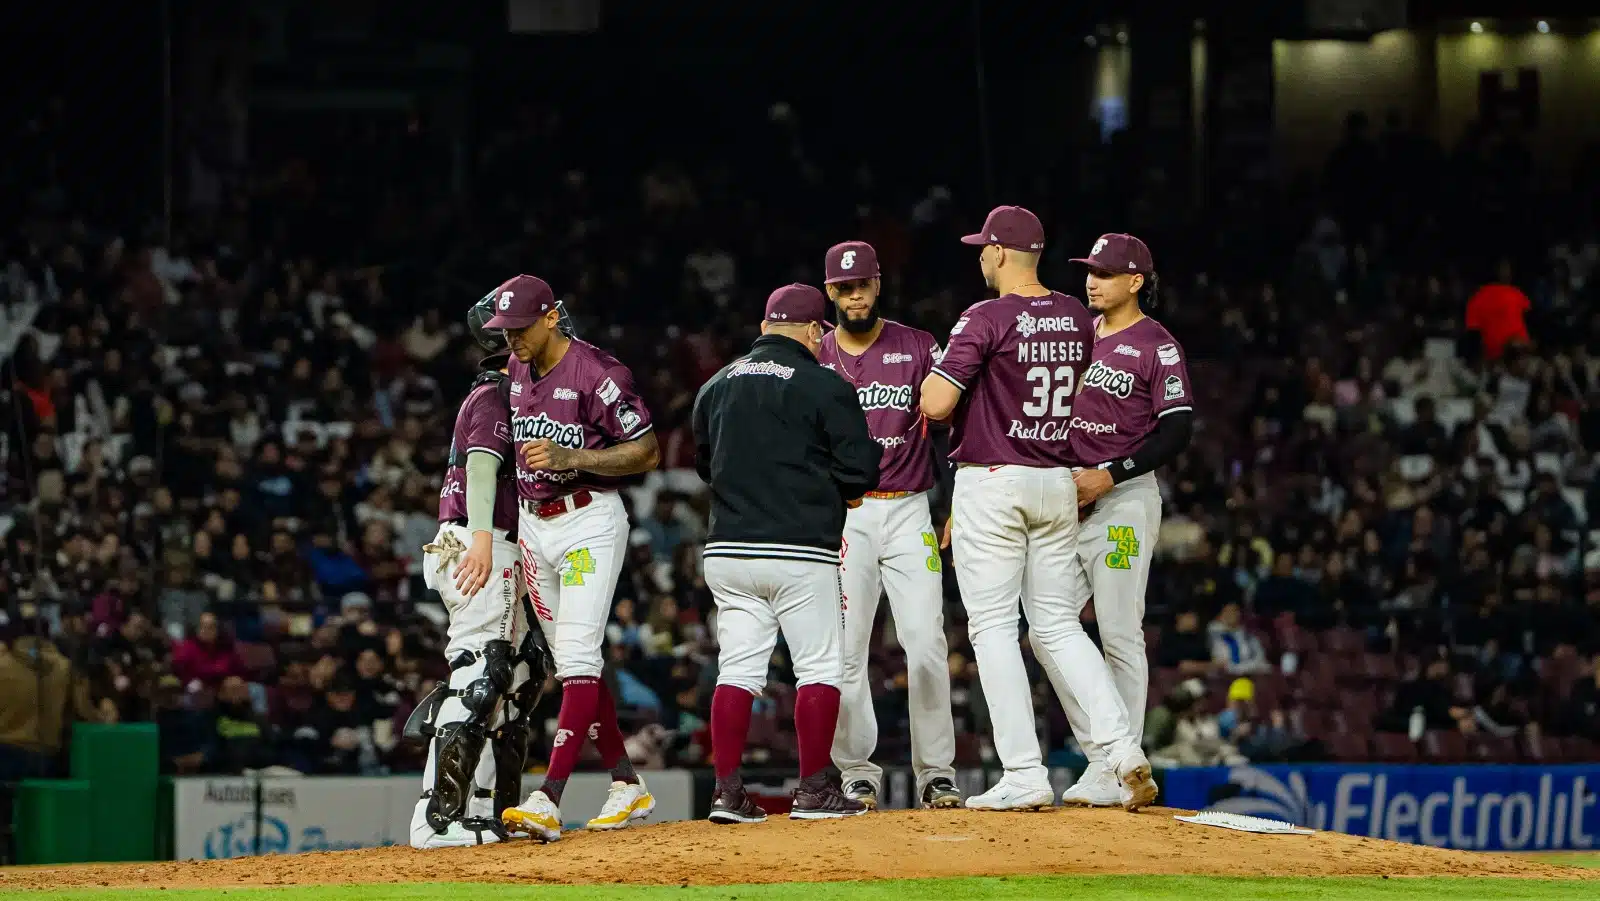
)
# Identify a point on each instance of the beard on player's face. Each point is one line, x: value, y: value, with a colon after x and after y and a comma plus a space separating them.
x: 860, y: 321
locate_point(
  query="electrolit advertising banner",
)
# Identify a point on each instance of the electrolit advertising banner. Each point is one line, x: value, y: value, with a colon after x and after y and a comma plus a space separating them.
x: 1474, y: 808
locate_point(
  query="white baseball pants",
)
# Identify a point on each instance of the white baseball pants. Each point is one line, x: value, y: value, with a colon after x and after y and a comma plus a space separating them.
x: 1115, y: 546
x: 572, y: 563
x: 756, y: 598
x: 1014, y: 532
x: 890, y: 547
x: 494, y: 612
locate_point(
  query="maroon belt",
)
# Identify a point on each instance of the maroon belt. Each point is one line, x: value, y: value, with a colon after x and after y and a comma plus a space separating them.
x: 554, y: 507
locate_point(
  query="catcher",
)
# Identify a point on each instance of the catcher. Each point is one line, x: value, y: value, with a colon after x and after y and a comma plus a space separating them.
x: 478, y: 725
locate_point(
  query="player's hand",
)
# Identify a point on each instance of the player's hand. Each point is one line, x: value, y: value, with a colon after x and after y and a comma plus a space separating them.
x: 1092, y: 485
x: 944, y: 536
x: 473, y: 573
x: 546, y: 454
x: 853, y: 504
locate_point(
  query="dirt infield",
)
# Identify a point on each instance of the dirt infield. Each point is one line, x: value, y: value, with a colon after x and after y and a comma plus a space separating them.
x: 890, y: 844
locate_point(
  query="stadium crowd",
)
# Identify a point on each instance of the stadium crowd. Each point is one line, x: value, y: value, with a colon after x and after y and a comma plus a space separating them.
x: 225, y: 448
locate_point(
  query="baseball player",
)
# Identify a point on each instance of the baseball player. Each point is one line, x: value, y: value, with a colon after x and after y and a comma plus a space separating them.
x: 578, y: 427
x: 1008, y: 376
x: 478, y: 723
x: 1133, y: 415
x: 889, y: 542
x: 785, y: 448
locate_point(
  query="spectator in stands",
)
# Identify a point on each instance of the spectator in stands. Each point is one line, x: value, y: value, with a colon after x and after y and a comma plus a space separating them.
x: 665, y: 530
x: 187, y: 734
x: 207, y: 656
x: 1425, y: 701
x: 1580, y: 715
x: 1496, y: 313
x: 1280, y: 592
x: 243, y: 739
x: 333, y: 740
x: 41, y: 693
x: 1179, y: 732
x: 1186, y: 648
x: 1426, y: 435
x: 1234, y: 649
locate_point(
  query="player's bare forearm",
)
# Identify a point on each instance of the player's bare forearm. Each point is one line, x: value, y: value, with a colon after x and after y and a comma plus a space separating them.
x: 938, y: 397
x: 642, y: 454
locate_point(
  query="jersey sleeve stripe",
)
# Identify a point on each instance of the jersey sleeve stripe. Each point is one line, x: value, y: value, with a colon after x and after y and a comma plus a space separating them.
x: 1183, y: 409
x: 640, y: 433
x: 948, y: 377
x: 484, y: 450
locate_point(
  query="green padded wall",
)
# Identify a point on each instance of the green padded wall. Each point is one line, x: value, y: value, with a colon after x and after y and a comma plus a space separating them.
x: 53, y: 821
x: 121, y: 763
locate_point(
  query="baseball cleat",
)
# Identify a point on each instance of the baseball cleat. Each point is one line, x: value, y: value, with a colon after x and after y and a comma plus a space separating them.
x: 862, y: 790
x: 735, y: 806
x: 940, y: 793
x: 817, y: 798
x: 1136, y: 776
x: 626, y: 802
x: 1008, y: 795
x: 465, y: 834
x: 538, y: 816
x: 1097, y: 787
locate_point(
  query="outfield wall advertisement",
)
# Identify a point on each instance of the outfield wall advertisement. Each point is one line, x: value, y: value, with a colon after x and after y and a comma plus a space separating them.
x: 224, y: 817
x: 1479, y: 808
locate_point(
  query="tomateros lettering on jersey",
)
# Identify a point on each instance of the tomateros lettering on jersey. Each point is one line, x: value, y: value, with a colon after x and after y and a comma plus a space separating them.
x: 1108, y: 379
x: 533, y: 428
x: 878, y: 396
x: 765, y: 367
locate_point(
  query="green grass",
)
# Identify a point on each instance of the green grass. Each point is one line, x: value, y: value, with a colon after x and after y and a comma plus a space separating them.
x: 1053, y: 888
x: 1571, y: 859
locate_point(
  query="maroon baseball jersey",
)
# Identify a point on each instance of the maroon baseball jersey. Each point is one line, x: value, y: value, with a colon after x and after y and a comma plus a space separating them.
x: 887, y: 378
x: 1017, y: 361
x: 483, y: 424
x: 1136, y: 377
x: 587, y: 401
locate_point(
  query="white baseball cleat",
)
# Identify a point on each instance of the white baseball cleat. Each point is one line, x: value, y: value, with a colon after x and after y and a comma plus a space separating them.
x: 1097, y: 787
x: 1136, y: 776
x: 626, y: 802
x: 1008, y: 795
x: 464, y: 835
x: 538, y: 816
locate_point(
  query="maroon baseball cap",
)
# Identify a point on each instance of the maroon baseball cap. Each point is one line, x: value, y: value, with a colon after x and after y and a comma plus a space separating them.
x: 1010, y: 226
x: 521, y: 302
x: 797, y: 303
x: 850, y: 260
x: 1117, y: 252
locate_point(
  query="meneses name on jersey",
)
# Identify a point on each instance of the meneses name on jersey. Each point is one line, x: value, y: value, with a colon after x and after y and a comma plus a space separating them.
x: 533, y: 428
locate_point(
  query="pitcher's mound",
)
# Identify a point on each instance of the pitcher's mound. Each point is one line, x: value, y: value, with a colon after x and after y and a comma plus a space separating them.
x: 882, y: 845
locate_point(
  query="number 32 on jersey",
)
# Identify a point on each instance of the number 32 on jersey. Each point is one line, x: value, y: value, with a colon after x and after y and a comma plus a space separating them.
x: 1052, y: 392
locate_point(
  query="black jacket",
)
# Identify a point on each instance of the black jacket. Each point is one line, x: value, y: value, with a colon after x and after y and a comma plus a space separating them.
x: 784, y: 444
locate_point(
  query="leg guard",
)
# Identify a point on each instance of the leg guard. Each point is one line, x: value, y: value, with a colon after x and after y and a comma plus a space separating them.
x: 477, y: 684
x: 509, y: 744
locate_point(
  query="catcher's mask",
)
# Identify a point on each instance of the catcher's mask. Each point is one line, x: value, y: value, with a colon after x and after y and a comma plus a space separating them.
x: 493, y: 340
